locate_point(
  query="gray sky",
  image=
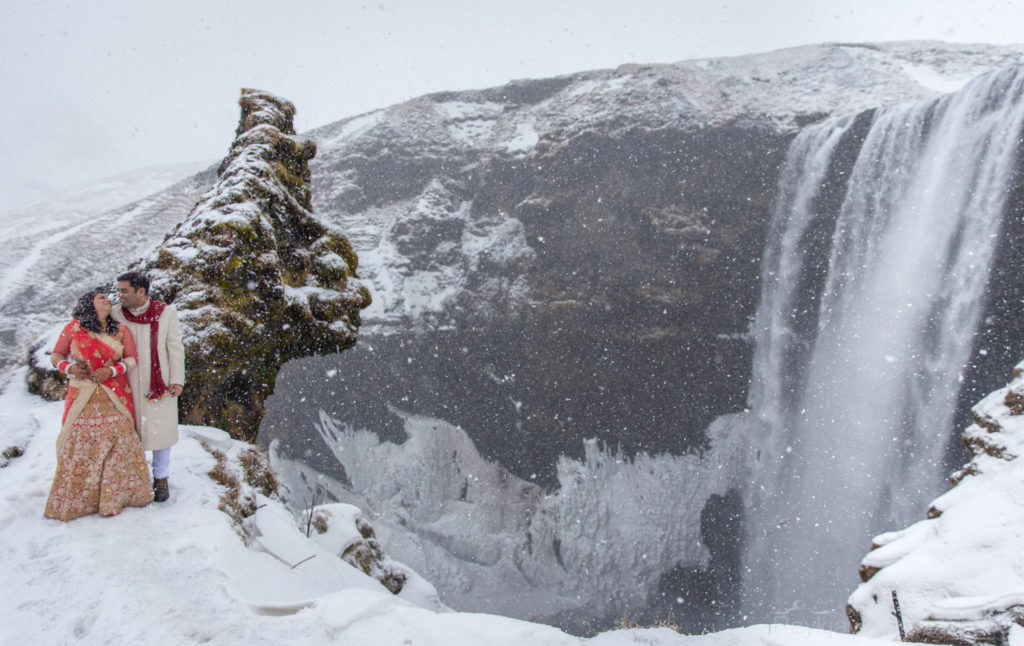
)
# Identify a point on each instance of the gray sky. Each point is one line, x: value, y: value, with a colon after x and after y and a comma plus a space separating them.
x: 95, y: 88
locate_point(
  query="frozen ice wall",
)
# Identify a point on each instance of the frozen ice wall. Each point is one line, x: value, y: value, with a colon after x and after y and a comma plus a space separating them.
x: 579, y: 557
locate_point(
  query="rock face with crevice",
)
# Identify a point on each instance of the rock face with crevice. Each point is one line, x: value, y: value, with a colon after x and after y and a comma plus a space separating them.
x: 256, y: 278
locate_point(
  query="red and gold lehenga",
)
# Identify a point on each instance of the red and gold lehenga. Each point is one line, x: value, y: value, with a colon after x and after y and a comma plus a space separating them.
x: 101, y: 467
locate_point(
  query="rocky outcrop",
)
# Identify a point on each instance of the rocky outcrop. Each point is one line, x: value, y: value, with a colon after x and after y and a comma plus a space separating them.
x: 256, y: 278
x: 958, y: 573
x: 40, y: 378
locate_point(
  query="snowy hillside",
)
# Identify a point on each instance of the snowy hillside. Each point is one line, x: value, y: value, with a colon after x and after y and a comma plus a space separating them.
x: 103, y: 195
x: 54, y: 250
x: 183, y: 572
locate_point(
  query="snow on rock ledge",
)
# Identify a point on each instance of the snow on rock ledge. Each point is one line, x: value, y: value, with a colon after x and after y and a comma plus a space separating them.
x: 257, y: 280
x: 959, y: 574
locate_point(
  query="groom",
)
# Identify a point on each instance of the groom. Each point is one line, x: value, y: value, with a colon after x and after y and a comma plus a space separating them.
x: 158, y: 379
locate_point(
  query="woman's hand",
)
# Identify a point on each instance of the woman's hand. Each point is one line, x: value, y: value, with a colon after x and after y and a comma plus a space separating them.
x: 81, y: 370
x: 102, y: 374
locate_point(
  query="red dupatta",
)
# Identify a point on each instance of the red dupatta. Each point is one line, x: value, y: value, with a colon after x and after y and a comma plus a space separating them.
x: 91, y: 348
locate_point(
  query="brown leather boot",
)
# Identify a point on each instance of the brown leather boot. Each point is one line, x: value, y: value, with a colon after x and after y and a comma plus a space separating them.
x: 161, y: 491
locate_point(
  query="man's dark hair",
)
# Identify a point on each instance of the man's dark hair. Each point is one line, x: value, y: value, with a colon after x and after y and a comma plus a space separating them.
x: 136, y: 279
x: 85, y: 312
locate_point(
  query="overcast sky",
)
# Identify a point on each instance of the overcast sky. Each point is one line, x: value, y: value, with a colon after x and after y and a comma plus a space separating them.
x: 95, y: 88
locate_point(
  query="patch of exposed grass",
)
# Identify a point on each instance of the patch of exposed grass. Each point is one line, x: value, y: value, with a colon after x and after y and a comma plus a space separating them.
x: 320, y: 522
x: 668, y: 622
x: 13, y: 452
x: 232, y: 501
x: 257, y: 472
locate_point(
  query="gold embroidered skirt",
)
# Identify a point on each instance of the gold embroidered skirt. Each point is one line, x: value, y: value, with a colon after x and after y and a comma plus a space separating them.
x: 101, y: 467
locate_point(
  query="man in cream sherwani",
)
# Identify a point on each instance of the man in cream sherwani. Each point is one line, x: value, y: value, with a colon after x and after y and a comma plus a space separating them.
x: 159, y: 377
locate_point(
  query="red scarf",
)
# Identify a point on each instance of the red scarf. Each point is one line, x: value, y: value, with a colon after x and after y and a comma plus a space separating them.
x: 151, y: 317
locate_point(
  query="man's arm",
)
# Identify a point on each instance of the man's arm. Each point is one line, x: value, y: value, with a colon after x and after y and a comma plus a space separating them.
x: 175, y: 351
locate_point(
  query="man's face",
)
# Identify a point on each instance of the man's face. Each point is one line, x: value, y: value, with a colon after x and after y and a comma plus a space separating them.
x: 130, y: 297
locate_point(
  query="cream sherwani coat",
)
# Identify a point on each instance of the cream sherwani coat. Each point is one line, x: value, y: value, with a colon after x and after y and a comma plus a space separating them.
x: 156, y: 422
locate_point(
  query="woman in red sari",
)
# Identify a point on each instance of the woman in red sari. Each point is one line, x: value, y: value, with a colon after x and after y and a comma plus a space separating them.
x: 101, y: 467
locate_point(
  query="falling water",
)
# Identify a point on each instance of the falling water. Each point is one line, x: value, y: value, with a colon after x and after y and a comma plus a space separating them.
x: 866, y: 319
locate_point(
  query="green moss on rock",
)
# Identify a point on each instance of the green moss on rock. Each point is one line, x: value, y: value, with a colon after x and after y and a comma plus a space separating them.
x: 256, y: 278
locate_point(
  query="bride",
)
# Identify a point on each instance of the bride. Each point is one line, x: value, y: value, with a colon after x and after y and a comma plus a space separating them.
x: 101, y: 467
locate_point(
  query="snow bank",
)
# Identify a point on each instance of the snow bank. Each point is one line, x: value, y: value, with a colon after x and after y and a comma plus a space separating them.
x: 960, y: 572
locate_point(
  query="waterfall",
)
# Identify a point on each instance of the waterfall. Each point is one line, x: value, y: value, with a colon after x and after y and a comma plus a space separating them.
x: 868, y: 308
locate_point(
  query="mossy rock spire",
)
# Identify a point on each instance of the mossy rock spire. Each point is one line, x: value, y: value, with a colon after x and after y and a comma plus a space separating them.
x: 256, y: 278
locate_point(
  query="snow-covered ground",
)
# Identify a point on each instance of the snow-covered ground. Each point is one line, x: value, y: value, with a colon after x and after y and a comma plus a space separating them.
x: 181, y: 572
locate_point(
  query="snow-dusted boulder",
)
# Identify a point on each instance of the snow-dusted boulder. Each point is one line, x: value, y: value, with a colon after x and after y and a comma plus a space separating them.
x: 959, y: 574
x: 41, y: 379
x: 256, y: 278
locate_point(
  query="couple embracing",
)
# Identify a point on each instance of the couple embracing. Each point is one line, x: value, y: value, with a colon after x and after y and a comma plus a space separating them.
x: 126, y: 368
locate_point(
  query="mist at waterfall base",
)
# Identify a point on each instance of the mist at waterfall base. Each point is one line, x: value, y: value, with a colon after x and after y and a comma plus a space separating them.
x: 875, y: 279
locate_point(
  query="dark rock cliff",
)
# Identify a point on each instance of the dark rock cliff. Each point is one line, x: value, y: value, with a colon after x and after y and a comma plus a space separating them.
x: 623, y: 317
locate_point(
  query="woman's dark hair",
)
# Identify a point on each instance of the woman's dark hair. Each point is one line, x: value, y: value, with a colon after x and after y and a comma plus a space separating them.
x: 85, y: 312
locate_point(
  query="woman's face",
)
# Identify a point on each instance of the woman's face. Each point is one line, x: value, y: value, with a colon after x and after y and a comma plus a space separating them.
x: 102, y: 304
